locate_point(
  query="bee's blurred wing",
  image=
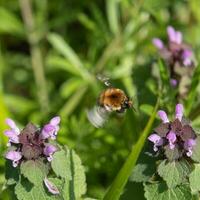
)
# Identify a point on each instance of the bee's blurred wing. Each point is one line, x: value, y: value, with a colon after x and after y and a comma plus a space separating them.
x: 97, y: 116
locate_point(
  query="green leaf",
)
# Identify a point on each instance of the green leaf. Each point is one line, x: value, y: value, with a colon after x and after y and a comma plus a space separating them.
x: 61, y: 164
x: 62, y: 47
x: 160, y: 191
x: 142, y: 173
x: 58, y: 62
x: 195, y: 178
x: 113, y: 15
x: 24, y: 190
x: 34, y: 171
x: 70, y: 86
x: 76, y: 187
x: 144, y: 169
x: 73, y: 102
x: 174, y: 173
x: 196, y: 150
x: 10, y: 23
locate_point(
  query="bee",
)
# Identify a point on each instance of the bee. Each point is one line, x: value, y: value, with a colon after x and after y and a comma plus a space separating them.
x: 114, y: 99
x: 109, y: 101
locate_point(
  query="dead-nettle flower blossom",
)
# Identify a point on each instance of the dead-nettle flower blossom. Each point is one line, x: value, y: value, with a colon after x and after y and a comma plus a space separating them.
x: 15, y: 156
x: 178, y: 55
x: 174, y: 136
x: 31, y: 143
x: 51, y: 187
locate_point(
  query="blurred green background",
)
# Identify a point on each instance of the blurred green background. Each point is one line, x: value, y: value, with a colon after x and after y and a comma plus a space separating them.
x: 50, y: 54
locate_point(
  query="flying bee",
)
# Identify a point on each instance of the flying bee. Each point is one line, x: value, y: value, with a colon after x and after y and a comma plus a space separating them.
x: 109, y: 101
x: 114, y: 99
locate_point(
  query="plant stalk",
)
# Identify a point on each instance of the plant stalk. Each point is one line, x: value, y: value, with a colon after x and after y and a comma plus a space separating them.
x: 121, y: 179
x: 36, y: 55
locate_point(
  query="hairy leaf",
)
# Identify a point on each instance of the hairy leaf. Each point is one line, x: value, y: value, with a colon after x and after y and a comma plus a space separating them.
x: 195, y: 178
x: 160, y: 191
x: 34, y: 171
x: 76, y: 187
x: 174, y: 173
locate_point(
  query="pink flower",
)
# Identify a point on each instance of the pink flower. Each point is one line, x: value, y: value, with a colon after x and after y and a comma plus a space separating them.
x: 188, y: 145
x: 157, y: 140
x: 15, y: 156
x: 51, y: 187
x: 179, y: 111
x: 172, y: 139
x: 13, y: 133
x: 48, y: 151
x: 163, y: 116
x: 50, y: 130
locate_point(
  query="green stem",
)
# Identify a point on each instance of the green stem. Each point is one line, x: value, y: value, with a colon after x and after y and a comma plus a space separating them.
x: 121, y: 179
x: 36, y: 55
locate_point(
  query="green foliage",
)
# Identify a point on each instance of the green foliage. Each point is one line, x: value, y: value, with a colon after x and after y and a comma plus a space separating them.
x: 195, y: 178
x: 159, y: 191
x: 29, y: 179
x: 61, y: 164
x: 38, y: 171
x: 75, y: 41
x: 174, y: 173
x: 196, y: 150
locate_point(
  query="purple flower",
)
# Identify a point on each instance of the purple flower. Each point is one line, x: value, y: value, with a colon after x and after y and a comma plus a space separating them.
x: 188, y: 145
x: 13, y: 133
x: 50, y: 130
x: 48, y: 151
x: 13, y: 137
x: 174, y: 36
x: 173, y: 82
x: 51, y: 187
x: 158, y: 43
x: 187, y: 57
x: 179, y: 111
x: 179, y: 58
x: 157, y: 140
x: 15, y: 156
x: 176, y: 138
x: 172, y: 139
x: 12, y: 125
x: 163, y: 116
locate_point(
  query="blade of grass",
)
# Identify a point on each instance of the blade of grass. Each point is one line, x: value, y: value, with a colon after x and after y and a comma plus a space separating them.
x: 62, y: 47
x: 71, y: 104
x: 113, y: 14
x: 121, y: 179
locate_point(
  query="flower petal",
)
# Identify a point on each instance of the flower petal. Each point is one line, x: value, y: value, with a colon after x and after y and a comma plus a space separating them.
x: 179, y: 111
x: 173, y: 82
x: 14, y: 155
x: 179, y: 37
x: 163, y: 116
x: 49, y: 149
x: 172, y: 139
x: 171, y: 33
x: 158, y: 43
x: 51, y: 187
x: 55, y: 121
x: 12, y: 125
x: 154, y: 138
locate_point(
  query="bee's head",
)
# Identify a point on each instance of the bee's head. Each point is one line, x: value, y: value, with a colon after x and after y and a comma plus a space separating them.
x: 128, y: 103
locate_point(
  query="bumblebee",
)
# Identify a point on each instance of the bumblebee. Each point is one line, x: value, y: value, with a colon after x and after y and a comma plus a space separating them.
x: 110, y: 100
x: 114, y: 99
